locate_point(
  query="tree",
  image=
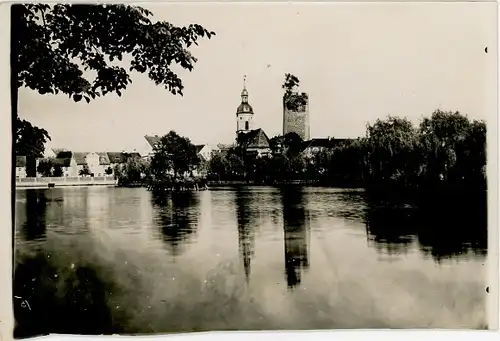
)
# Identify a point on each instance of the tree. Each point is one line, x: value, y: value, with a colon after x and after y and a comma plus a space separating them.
x: 29, y: 142
x: 45, y: 167
x: 87, y: 51
x: 134, y: 170
x: 84, y: 171
x: 292, y: 144
x: 293, y: 100
x: 58, y: 171
x: 454, y: 147
x: 174, y: 155
x: 392, y: 146
x: 216, y: 167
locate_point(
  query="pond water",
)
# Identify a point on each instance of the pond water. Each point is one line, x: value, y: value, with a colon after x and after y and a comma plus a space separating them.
x: 121, y: 260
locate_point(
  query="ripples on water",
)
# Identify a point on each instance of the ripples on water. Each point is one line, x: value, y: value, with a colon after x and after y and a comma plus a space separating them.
x: 114, y: 260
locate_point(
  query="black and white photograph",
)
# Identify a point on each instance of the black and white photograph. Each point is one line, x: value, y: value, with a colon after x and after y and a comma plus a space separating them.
x: 198, y: 167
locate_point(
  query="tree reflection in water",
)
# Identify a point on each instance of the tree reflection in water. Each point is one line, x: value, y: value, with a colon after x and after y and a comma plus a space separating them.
x: 246, y: 233
x: 445, y: 225
x: 178, y: 215
x: 34, y: 227
x: 296, y: 230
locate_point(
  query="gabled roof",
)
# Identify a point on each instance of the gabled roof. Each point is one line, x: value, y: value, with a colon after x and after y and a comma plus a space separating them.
x: 121, y: 157
x: 80, y: 158
x: 153, y: 140
x: 318, y: 143
x: 116, y: 157
x: 62, y: 153
x: 199, y: 147
x: 63, y: 162
x: 132, y: 155
x: 336, y: 142
x: 20, y: 161
x: 254, y: 139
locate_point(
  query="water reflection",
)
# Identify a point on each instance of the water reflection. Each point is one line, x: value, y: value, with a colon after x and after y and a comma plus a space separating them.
x: 296, y: 230
x: 444, y: 227
x: 34, y: 227
x: 177, y: 214
x: 98, y: 263
x: 246, y: 233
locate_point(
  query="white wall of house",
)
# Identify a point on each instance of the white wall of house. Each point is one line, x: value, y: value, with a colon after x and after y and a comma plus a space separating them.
x: 20, y: 172
x: 95, y: 167
x: 72, y: 170
x: 207, y: 151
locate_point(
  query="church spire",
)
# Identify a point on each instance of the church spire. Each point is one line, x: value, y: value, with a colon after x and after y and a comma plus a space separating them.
x: 244, y: 93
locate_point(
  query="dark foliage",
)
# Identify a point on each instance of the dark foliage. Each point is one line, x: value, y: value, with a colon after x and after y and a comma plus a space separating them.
x: 293, y: 100
x: 447, y: 149
x: 87, y: 51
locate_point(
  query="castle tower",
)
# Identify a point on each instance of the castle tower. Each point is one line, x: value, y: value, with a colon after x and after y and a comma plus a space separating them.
x: 244, y: 113
x: 296, y: 114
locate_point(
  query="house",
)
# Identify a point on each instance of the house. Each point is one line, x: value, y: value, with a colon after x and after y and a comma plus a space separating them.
x: 20, y: 167
x: 118, y: 158
x: 115, y: 159
x: 152, y: 142
x: 104, y: 163
x: 96, y: 162
x: 205, y: 151
x: 315, y: 145
x: 65, y: 159
x: 255, y: 142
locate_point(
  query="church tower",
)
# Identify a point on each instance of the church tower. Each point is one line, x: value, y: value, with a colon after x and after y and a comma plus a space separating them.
x: 244, y: 113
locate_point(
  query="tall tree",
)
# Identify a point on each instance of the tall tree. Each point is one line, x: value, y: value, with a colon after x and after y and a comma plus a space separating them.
x: 87, y: 51
x: 45, y: 167
x: 29, y: 142
x: 174, y: 155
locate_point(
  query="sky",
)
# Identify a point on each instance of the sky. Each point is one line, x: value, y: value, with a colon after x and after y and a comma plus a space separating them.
x: 358, y: 62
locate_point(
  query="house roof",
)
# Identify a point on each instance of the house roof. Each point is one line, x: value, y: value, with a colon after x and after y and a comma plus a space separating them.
x: 64, y: 154
x: 80, y: 158
x: 121, y: 157
x: 20, y: 161
x: 255, y: 139
x: 133, y: 155
x: 153, y: 140
x: 116, y: 157
x: 336, y: 142
x: 321, y: 143
x: 199, y: 147
x: 63, y: 162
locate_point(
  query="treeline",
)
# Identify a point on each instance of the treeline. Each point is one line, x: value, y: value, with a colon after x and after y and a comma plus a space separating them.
x: 444, y: 149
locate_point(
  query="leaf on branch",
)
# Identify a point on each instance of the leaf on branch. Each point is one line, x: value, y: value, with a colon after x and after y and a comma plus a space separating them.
x: 77, y: 98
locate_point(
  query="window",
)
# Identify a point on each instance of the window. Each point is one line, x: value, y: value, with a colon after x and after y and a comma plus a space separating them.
x: 246, y: 125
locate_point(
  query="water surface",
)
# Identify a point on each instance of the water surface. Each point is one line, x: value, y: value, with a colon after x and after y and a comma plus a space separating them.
x: 115, y: 260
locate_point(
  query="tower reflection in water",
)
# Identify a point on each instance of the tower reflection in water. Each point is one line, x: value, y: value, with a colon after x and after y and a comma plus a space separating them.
x: 246, y: 233
x: 296, y: 234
